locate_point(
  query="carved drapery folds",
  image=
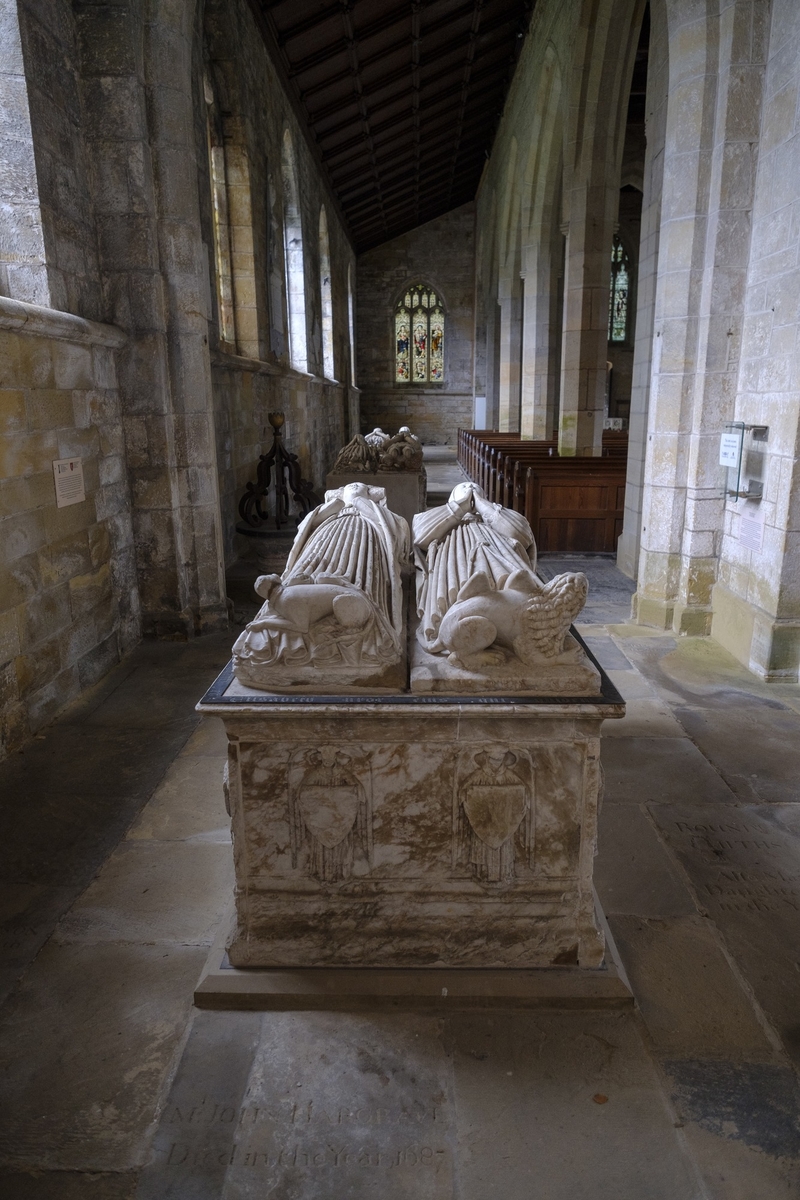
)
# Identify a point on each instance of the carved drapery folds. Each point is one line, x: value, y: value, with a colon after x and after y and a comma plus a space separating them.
x: 478, y: 597
x: 359, y: 457
x: 403, y: 452
x: 335, y: 616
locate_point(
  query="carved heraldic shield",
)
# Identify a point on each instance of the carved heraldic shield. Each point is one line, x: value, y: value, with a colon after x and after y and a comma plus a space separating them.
x: 493, y: 813
x: 330, y: 811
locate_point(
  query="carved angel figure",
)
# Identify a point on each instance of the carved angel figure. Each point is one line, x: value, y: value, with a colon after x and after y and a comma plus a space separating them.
x: 478, y: 597
x: 358, y: 457
x: 377, y: 438
x: 403, y: 452
x: 338, y: 605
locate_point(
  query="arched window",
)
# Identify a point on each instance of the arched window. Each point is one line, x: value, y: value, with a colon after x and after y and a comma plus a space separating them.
x: 293, y: 254
x: 419, y: 336
x: 276, y: 281
x: 222, y: 233
x: 351, y: 322
x: 326, y: 294
x: 619, y: 297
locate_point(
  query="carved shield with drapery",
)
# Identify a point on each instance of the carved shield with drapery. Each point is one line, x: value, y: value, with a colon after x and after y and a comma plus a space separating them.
x: 330, y: 812
x: 493, y: 813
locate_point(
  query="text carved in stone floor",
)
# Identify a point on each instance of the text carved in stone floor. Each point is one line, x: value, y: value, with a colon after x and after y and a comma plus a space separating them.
x: 740, y: 864
x: 208, y: 1112
x: 302, y: 1157
x: 257, y: 1137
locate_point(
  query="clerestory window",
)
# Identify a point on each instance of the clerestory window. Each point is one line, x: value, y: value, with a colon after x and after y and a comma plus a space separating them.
x: 419, y: 336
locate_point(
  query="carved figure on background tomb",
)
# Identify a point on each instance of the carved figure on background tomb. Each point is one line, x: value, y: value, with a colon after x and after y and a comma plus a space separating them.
x: 377, y: 438
x: 330, y: 810
x: 403, y: 452
x: 478, y: 597
x: 493, y: 817
x: 358, y: 457
x: 336, y: 613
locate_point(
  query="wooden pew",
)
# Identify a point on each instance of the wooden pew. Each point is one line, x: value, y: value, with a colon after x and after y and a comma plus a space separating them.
x: 574, y: 504
x: 481, y: 451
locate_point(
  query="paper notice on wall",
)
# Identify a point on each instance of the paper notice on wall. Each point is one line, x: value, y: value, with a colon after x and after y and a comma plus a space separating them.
x: 751, y: 532
x: 68, y: 474
x: 730, y: 447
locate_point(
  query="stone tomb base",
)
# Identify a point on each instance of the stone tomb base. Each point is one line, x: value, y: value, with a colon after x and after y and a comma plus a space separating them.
x: 413, y: 831
x: 350, y: 989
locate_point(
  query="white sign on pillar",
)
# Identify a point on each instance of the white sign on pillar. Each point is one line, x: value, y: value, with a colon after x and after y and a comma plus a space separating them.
x: 730, y: 449
x: 479, y: 412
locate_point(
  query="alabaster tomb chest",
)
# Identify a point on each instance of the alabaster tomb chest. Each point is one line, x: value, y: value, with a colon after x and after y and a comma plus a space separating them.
x: 413, y: 830
x: 414, y: 774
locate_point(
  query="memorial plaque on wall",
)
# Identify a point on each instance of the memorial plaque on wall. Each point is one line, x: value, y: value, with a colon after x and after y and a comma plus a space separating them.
x: 68, y: 475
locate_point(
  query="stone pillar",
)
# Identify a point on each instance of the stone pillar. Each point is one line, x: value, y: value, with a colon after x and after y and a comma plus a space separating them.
x: 713, y: 123
x: 194, y: 483
x: 756, y: 598
x: 657, y: 83
x: 509, y: 398
x: 585, y: 335
x: 540, y: 338
x: 530, y: 414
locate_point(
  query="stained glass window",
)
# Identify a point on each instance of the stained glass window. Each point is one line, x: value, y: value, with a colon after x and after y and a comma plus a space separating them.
x: 419, y: 336
x: 402, y: 321
x: 620, y: 292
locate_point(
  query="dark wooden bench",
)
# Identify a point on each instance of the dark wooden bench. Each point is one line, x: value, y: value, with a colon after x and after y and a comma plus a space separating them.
x: 482, y: 453
x: 576, y: 505
x: 573, y: 504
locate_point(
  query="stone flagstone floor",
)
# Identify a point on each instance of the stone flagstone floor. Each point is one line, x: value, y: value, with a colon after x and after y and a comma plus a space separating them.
x: 116, y: 873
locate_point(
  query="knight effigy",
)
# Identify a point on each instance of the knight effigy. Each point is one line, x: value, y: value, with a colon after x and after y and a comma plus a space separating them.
x: 335, y: 615
x: 485, y: 617
x: 394, y: 463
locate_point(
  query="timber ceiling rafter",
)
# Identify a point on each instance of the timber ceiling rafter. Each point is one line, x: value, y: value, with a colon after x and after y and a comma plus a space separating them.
x: 401, y: 98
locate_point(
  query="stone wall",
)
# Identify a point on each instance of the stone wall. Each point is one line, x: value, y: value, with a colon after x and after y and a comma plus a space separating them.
x: 441, y: 253
x: 254, y: 376
x: 107, y: 214
x: 317, y: 424
x: 69, y: 603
